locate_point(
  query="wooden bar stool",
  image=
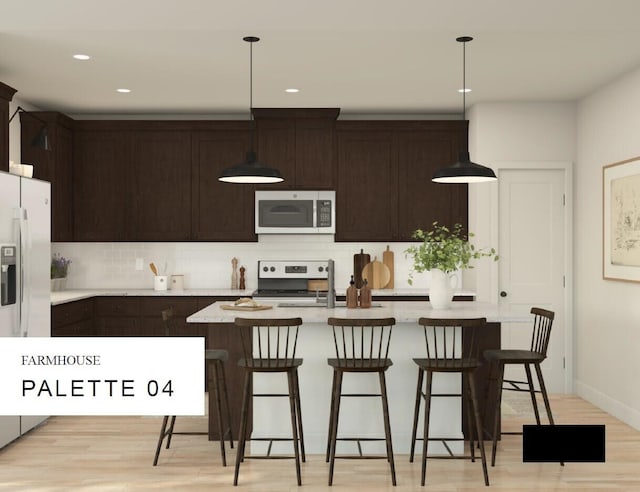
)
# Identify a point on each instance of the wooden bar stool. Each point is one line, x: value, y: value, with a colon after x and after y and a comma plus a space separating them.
x: 499, y: 358
x: 269, y: 346
x: 446, y: 353
x: 216, y: 381
x: 362, y: 346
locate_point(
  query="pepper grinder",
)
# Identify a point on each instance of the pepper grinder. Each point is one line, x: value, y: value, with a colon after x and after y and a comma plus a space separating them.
x: 352, y: 294
x: 365, y: 295
x: 242, y: 285
x: 234, y: 273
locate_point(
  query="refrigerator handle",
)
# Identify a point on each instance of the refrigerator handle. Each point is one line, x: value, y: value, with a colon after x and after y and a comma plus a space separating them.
x: 25, y: 284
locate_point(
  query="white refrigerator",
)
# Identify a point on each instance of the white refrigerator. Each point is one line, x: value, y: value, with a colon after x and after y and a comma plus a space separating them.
x: 25, y: 262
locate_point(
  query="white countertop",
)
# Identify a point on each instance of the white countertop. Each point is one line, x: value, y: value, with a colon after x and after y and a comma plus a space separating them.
x: 64, y: 296
x: 402, y: 311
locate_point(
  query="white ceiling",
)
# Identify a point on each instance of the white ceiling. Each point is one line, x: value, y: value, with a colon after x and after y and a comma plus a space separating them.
x: 187, y: 57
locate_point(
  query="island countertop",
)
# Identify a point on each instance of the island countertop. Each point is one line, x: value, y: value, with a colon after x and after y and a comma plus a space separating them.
x: 402, y: 311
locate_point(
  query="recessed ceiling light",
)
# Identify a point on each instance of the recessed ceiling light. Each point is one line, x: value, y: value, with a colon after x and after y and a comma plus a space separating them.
x: 81, y: 57
x: 464, y: 90
x: 292, y: 90
x: 124, y: 91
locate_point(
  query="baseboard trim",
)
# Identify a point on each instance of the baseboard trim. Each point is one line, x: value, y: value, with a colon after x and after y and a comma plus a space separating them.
x: 625, y: 413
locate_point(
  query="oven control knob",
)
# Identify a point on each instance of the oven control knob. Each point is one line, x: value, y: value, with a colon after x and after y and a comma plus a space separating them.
x: 320, y: 268
x: 273, y: 269
x: 265, y: 269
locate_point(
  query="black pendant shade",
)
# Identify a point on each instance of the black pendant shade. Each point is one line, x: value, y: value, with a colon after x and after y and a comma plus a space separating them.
x: 464, y: 171
x: 250, y: 171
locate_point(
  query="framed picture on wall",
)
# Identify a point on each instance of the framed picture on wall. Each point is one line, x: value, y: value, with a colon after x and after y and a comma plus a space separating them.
x: 621, y: 220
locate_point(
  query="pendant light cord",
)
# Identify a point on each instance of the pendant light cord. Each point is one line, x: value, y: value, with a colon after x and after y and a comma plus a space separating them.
x: 464, y: 83
x: 252, y: 124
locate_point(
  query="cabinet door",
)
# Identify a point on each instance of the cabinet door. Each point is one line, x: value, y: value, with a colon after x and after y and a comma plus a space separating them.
x: 161, y: 179
x: 276, y: 148
x: 366, y: 193
x: 220, y: 211
x: 314, y: 153
x: 102, y: 185
x: 421, y: 201
x: 53, y: 165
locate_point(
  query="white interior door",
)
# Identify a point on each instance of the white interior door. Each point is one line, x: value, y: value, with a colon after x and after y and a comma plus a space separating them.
x: 532, y: 260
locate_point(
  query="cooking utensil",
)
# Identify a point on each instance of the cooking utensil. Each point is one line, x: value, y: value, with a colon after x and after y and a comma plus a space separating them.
x: 231, y: 307
x: 153, y: 268
x: 387, y: 259
x: 359, y: 261
x: 377, y: 274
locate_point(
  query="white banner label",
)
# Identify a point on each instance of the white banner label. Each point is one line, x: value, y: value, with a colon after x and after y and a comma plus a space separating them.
x: 102, y: 376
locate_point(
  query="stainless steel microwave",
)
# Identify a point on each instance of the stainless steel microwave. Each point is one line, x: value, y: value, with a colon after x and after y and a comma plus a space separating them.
x: 295, y: 212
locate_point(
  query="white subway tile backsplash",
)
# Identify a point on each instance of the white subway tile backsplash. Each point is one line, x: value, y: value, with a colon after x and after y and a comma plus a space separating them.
x: 208, y: 265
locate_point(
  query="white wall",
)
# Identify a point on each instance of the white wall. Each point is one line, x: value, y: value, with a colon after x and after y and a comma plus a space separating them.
x: 607, y: 313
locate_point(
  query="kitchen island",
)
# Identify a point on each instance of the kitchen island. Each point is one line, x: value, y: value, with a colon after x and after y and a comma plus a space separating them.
x: 363, y: 416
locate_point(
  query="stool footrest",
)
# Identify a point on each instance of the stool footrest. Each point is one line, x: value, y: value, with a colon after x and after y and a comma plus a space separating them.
x: 361, y: 394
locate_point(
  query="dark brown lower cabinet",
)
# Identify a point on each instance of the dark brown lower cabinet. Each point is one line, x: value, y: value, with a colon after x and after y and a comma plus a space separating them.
x: 123, y: 316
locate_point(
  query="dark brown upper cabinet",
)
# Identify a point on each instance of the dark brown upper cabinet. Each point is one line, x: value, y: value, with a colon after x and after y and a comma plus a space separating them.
x: 6, y: 95
x: 160, y: 171
x: 221, y: 211
x: 299, y: 143
x: 384, y: 170
x: 54, y: 165
x: 102, y: 185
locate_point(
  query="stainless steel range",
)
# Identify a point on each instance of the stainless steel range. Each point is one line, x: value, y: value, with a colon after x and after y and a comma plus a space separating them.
x: 296, y: 281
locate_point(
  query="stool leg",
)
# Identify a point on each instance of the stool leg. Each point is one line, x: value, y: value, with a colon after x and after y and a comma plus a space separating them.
x: 427, y: 410
x: 416, y: 411
x: 331, y: 415
x: 496, y: 419
x: 225, y: 396
x: 163, y: 430
x: 294, y: 422
x: 470, y: 426
x: 243, y: 424
x: 170, y: 431
x: 299, y: 414
x: 532, y: 392
x: 334, y: 431
x: 478, y: 426
x: 545, y: 397
x: 387, y: 426
x: 214, y: 385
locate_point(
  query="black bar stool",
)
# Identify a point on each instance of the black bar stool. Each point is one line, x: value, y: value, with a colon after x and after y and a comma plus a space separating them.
x: 362, y: 346
x: 269, y: 346
x: 216, y: 380
x: 446, y: 353
x: 498, y: 358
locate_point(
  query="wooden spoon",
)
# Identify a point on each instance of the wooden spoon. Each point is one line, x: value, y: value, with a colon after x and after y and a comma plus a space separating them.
x: 153, y: 268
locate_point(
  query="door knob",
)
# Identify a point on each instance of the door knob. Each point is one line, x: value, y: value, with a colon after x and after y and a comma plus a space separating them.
x: 503, y: 293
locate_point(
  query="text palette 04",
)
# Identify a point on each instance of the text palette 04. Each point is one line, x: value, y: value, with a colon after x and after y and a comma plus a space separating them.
x: 102, y: 376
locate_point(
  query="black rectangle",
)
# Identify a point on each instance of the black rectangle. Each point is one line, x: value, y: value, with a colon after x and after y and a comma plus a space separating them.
x: 563, y: 443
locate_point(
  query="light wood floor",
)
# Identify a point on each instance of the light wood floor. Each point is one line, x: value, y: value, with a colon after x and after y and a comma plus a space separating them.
x: 99, y: 454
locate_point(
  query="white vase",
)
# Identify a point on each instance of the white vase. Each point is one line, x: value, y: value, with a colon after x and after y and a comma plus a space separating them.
x: 441, y: 289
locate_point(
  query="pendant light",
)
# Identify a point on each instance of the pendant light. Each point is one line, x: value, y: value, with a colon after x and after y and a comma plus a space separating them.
x: 251, y: 171
x: 464, y: 171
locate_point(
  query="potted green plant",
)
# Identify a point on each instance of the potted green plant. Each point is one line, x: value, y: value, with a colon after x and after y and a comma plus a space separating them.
x: 443, y: 251
x: 59, y: 269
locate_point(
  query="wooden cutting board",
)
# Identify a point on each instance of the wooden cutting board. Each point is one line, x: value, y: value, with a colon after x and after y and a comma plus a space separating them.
x: 376, y: 274
x: 360, y: 260
x: 231, y: 307
x: 387, y: 259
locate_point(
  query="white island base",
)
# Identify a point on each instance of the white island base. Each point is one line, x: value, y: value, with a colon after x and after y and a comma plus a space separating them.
x: 359, y: 416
